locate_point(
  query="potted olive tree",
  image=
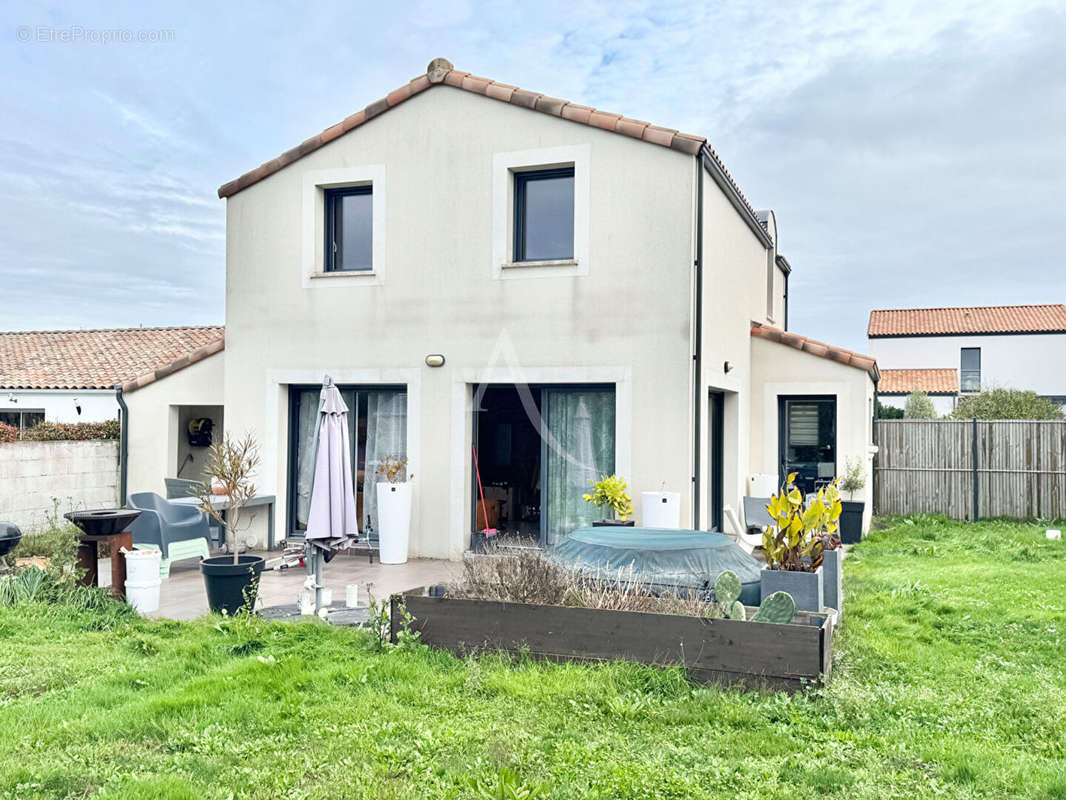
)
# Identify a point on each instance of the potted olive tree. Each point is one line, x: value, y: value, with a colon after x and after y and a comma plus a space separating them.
x: 232, y: 581
x: 609, y: 493
x: 793, y: 544
x: 394, y: 509
x: 853, y: 482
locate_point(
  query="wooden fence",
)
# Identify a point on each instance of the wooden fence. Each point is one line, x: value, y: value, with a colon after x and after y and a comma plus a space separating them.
x: 971, y: 469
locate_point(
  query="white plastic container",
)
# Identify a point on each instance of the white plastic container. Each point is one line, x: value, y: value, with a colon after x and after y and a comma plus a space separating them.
x: 394, y: 521
x: 142, y: 565
x: 660, y: 510
x: 762, y: 484
x: 143, y: 595
x: 351, y: 595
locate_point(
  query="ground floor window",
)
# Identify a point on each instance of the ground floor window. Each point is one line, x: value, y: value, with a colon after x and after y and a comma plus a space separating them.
x: 377, y: 427
x: 537, y: 448
x: 807, y: 437
x: 23, y: 419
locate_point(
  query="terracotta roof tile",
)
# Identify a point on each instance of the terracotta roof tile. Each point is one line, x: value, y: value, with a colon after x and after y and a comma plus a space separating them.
x: 977, y: 319
x: 101, y: 359
x: 815, y: 348
x: 930, y: 381
x: 440, y: 71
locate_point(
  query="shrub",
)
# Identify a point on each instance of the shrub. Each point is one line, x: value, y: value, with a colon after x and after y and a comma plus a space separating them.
x: 8, y: 433
x: 1007, y: 404
x: 72, y: 431
x: 888, y: 412
x: 609, y: 493
x: 532, y: 577
x: 58, y: 543
x: 919, y: 406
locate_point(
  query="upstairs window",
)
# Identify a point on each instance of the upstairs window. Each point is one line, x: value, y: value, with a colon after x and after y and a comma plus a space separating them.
x: 349, y: 229
x: 970, y: 370
x: 544, y: 215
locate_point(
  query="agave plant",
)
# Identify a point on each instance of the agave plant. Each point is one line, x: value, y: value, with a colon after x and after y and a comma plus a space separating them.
x: 794, y: 541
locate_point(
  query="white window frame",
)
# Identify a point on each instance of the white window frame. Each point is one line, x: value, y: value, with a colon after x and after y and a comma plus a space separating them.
x: 313, y: 274
x: 504, y: 167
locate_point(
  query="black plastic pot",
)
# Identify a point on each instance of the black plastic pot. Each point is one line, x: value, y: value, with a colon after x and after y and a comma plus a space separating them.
x: 613, y: 523
x: 230, y: 587
x: 851, y: 522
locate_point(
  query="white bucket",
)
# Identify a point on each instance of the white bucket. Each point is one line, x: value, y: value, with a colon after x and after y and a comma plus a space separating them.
x: 143, y: 595
x: 142, y: 565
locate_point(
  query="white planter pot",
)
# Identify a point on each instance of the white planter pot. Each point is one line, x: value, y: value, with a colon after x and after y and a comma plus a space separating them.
x: 394, y: 521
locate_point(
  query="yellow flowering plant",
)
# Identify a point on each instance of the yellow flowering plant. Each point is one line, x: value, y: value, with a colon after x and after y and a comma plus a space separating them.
x: 794, y: 541
x: 609, y: 493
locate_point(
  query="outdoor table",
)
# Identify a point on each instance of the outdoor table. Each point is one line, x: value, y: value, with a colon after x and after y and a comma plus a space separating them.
x: 220, y: 502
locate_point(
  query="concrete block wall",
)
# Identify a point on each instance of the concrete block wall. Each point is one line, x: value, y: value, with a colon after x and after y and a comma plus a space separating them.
x: 35, y: 476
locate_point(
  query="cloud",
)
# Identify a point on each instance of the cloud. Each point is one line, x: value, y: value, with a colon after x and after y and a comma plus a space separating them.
x: 910, y: 149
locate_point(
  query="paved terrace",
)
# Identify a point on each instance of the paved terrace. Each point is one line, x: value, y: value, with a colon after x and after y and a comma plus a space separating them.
x: 182, y: 595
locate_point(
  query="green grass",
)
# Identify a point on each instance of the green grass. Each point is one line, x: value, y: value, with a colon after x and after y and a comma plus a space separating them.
x: 949, y: 682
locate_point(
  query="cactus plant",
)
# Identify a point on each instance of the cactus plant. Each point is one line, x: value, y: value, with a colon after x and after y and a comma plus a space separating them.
x: 736, y: 611
x: 778, y: 608
x: 727, y: 588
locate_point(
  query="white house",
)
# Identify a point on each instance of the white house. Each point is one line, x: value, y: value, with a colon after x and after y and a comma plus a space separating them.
x: 91, y: 375
x: 952, y: 352
x: 562, y: 291
x: 71, y: 376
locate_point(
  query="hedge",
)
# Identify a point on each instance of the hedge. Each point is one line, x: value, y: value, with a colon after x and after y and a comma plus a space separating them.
x: 72, y: 431
x: 8, y: 433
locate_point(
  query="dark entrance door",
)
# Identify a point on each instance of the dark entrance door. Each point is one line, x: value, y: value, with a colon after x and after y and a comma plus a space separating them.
x: 716, y: 456
x: 807, y: 440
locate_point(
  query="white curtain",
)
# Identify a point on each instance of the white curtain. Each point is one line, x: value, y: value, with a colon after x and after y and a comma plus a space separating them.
x: 386, y: 435
x: 580, y: 449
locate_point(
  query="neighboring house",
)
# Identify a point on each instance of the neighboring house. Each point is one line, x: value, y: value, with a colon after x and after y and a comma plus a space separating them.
x: 569, y: 292
x: 951, y: 352
x: 942, y: 386
x: 75, y: 376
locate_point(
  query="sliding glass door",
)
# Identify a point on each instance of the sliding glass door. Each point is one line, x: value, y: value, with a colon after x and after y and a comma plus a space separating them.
x: 578, y: 443
x: 377, y: 427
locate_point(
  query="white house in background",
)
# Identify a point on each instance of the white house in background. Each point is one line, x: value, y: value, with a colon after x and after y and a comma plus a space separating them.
x: 951, y: 352
x: 80, y: 376
x: 564, y: 291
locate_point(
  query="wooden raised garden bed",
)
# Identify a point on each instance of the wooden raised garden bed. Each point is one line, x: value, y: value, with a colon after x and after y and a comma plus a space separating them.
x: 751, y: 654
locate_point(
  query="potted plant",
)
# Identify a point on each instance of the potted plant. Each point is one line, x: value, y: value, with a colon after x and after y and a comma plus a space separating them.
x: 394, y: 509
x: 854, y: 480
x: 232, y: 581
x: 609, y: 493
x: 793, y: 544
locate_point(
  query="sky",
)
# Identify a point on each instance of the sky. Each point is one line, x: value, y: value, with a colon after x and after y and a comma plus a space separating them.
x: 913, y: 152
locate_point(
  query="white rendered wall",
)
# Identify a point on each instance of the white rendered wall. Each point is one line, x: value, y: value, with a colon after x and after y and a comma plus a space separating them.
x: 60, y: 405
x: 1030, y: 362
x: 629, y: 318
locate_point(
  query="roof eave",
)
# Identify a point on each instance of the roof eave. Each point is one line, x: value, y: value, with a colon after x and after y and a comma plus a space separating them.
x: 177, y: 365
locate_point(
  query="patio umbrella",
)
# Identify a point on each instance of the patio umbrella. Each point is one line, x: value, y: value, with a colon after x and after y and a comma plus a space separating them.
x: 332, y: 524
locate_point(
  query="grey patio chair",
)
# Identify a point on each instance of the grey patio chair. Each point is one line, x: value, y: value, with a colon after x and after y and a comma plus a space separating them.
x: 179, y: 531
x: 182, y: 487
x: 756, y: 519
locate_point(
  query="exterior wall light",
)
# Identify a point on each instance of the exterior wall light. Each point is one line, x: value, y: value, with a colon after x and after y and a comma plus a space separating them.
x: 434, y: 360
x: 727, y: 367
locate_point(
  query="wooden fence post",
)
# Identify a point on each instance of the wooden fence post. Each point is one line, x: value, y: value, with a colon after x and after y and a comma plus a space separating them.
x: 976, y: 489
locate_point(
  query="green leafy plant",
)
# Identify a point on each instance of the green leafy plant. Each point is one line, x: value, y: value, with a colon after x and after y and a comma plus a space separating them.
x: 854, y: 477
x: 609, y: 493
x: 882, y: 411
x: 505, y: 785
x: 72, y: 431
x: 379, y: 624
x: 793, y: 542
x: 919, y: 406
x: 231, y: 463
x: 1007, y: 404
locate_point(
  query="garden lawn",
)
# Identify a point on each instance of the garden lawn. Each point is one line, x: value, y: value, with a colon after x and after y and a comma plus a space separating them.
x: 948, y: 682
